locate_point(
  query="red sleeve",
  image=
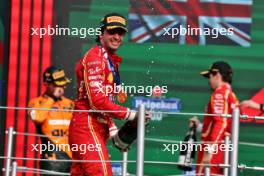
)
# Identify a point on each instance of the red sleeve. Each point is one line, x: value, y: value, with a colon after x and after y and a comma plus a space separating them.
x: 219, y: 105
x: 94, y: 83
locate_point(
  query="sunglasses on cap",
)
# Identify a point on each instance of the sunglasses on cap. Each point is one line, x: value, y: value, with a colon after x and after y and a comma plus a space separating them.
x: 118, y: 31
x: 213, y: 73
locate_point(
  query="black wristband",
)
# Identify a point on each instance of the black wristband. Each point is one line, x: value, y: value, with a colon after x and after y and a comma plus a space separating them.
x: 262, y: 107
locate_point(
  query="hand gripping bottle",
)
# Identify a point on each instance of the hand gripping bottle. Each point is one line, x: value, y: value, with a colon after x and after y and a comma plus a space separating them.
x: 187, y: 150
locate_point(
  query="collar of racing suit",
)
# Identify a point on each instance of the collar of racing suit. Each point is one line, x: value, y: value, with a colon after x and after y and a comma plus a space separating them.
x: 114, y: 57
x: 224, y: 85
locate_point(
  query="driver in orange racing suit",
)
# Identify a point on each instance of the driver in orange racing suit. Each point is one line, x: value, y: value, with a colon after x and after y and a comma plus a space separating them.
x: 53, y: 124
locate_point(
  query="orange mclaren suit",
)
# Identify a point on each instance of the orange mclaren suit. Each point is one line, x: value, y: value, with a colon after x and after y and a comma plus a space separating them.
x: 222, y: 101
x: 55, y: 125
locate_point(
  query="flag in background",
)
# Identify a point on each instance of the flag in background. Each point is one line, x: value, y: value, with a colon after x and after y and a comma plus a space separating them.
x: 221, y: 22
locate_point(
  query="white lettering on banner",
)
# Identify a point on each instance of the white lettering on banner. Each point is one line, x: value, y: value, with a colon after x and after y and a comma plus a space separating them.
x: 157, y: 105
x: 156, y: 116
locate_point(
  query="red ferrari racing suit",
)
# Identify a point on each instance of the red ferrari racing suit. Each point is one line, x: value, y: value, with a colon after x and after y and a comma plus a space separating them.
x: 95, y: 82
x: 215, y: 128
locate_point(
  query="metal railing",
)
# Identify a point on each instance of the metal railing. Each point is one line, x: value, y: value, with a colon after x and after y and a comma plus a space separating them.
x: 230, y: 169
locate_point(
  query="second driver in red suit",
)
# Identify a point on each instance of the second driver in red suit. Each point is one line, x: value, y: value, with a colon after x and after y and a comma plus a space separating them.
x: 215, y: 128
x: 97, y: 77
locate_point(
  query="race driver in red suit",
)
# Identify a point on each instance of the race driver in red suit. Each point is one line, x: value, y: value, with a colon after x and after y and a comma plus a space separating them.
x: 215, y: 128
x: 97, y: 75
